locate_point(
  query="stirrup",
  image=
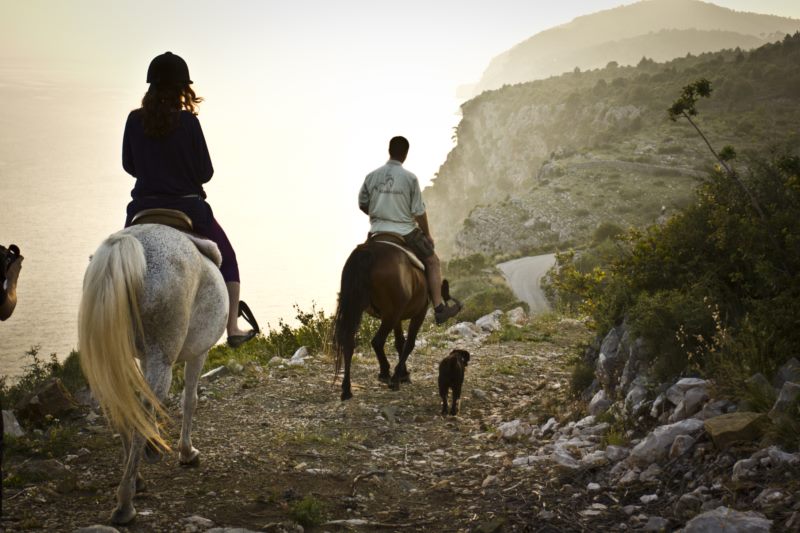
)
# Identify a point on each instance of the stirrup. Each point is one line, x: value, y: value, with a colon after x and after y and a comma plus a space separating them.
x: 247, y: 315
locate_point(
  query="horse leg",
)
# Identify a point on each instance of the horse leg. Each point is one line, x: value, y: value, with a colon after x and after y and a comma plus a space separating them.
x: 349, y: 345
x: 141, y: 486
x: 187, y: 454
x: 399, y: 339
x: 158, y: 375
x: 401, y: 374
x: 379, y: 344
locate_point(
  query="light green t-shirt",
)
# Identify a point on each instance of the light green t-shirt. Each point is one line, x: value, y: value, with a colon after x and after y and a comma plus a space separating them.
x: 392, y: 198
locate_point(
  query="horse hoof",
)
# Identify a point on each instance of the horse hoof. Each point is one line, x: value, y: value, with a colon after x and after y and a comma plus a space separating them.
x: 192, y: 458
x: 384, y: 378
x: 405, y: 378
x: 347, y: 395
x: 122, y: 516
x: 141, y: 486
x: 394, y: 385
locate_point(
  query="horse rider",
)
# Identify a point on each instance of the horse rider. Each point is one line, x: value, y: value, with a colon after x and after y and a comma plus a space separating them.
x: 9, y: 273
x: 163, y: 147
x: 392, y: 198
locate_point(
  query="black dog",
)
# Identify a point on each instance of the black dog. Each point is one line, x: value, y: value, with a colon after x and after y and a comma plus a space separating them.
x: 451, y: 376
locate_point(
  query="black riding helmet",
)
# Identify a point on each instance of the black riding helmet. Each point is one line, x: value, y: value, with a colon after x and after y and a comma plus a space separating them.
x: 168, y: 68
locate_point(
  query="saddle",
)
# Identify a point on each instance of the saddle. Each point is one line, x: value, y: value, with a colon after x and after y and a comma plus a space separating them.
x: 181, y: 222
x: 393, y: 239
x: 167, y: 217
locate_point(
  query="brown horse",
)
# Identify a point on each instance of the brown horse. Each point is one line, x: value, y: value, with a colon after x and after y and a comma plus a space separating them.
x: 380, y: 279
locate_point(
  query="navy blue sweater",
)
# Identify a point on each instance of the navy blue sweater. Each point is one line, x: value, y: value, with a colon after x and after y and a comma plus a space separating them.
x: 175, y: 165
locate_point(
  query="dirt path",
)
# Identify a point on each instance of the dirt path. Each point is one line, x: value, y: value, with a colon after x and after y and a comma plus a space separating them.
x: 273, y: 438
x: 524, y: 275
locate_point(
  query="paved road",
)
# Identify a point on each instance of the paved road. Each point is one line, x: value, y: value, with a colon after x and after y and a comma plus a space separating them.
x: 524, y: 275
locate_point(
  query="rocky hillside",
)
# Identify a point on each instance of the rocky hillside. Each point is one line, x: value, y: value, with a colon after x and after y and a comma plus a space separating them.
x: 281, y: 452
x: 658, y: 29
x: 545, y: 162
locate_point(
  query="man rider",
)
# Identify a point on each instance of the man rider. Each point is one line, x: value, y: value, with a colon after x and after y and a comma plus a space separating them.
x: 392, y: 198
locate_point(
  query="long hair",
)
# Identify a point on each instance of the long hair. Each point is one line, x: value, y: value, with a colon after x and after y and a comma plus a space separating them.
x: 162, y: 104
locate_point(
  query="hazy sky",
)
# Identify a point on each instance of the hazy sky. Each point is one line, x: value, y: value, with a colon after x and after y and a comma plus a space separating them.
x: 301, y: 98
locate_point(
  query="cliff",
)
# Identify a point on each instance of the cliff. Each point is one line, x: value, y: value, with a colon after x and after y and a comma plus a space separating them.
x: 544, y: 163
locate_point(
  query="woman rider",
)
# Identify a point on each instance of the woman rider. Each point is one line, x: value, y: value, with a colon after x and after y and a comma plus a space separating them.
x: 164, y: 149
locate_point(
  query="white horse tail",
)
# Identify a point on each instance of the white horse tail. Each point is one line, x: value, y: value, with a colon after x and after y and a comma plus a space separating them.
x: 108, y: 325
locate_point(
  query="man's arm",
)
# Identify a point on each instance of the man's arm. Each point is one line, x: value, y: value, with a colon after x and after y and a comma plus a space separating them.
x: 363, y: 198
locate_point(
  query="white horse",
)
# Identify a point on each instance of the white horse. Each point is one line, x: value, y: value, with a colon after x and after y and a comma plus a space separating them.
x: 148, y: 293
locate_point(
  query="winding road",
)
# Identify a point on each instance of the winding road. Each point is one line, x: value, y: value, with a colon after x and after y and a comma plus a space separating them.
x: 523, y: 276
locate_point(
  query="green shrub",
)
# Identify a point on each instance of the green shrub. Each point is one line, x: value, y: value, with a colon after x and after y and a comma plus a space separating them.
x: 581, y: 378
x: 38, y: 372
x: 606, y: 230
x: 308, y: 512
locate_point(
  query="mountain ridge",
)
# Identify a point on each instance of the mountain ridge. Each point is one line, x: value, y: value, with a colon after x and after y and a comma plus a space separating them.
x: 560, y: 49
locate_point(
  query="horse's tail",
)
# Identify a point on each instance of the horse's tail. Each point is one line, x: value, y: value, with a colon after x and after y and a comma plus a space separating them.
x: 108, y: 326
x: 353, y: 299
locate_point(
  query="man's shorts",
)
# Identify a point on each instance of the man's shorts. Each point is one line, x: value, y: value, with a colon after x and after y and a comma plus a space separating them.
x: 419, y: 243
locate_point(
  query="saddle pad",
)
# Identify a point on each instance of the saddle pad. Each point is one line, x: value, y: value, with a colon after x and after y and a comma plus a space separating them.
x: 207, y: 248
x: 414, y: 259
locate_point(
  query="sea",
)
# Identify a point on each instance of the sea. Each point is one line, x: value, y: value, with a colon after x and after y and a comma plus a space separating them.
x: 62, y: 191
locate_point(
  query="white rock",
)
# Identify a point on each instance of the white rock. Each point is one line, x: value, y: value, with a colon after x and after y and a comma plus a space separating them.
x: 769, y: 496
x: 675, y: 395
x: 490, y: 322
x: 648, y: 498
x: 218, y: 372
x: 300, y: 354
x: 689, y: 383
x: 600, y: 403
x: 514, y: 429
x: 658, y: 404
x: 656, y: 523
x: 517, y: 316
x: 595, y: 459
x: 679, y: 413
x: 199, y: 521
x: 651, y: 473
x: 694, y: 399
x: 599, y: 429
x: 593, y: 487
x: 585, y: 422
x: 681, y: 445
x: 490, y: 480
x: 11, y: 425
x: 295, y: 362
x: 729, y: 521
x: 549, y: 426
x: 657, y: 444
x: 465, y: 330
x: 565, y: 460
x: 635, y: 398
x: 630, y: 476
x: 616, y: 453
x: 779, y: 457
x: 529, y: 460
x: 744, y: 468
